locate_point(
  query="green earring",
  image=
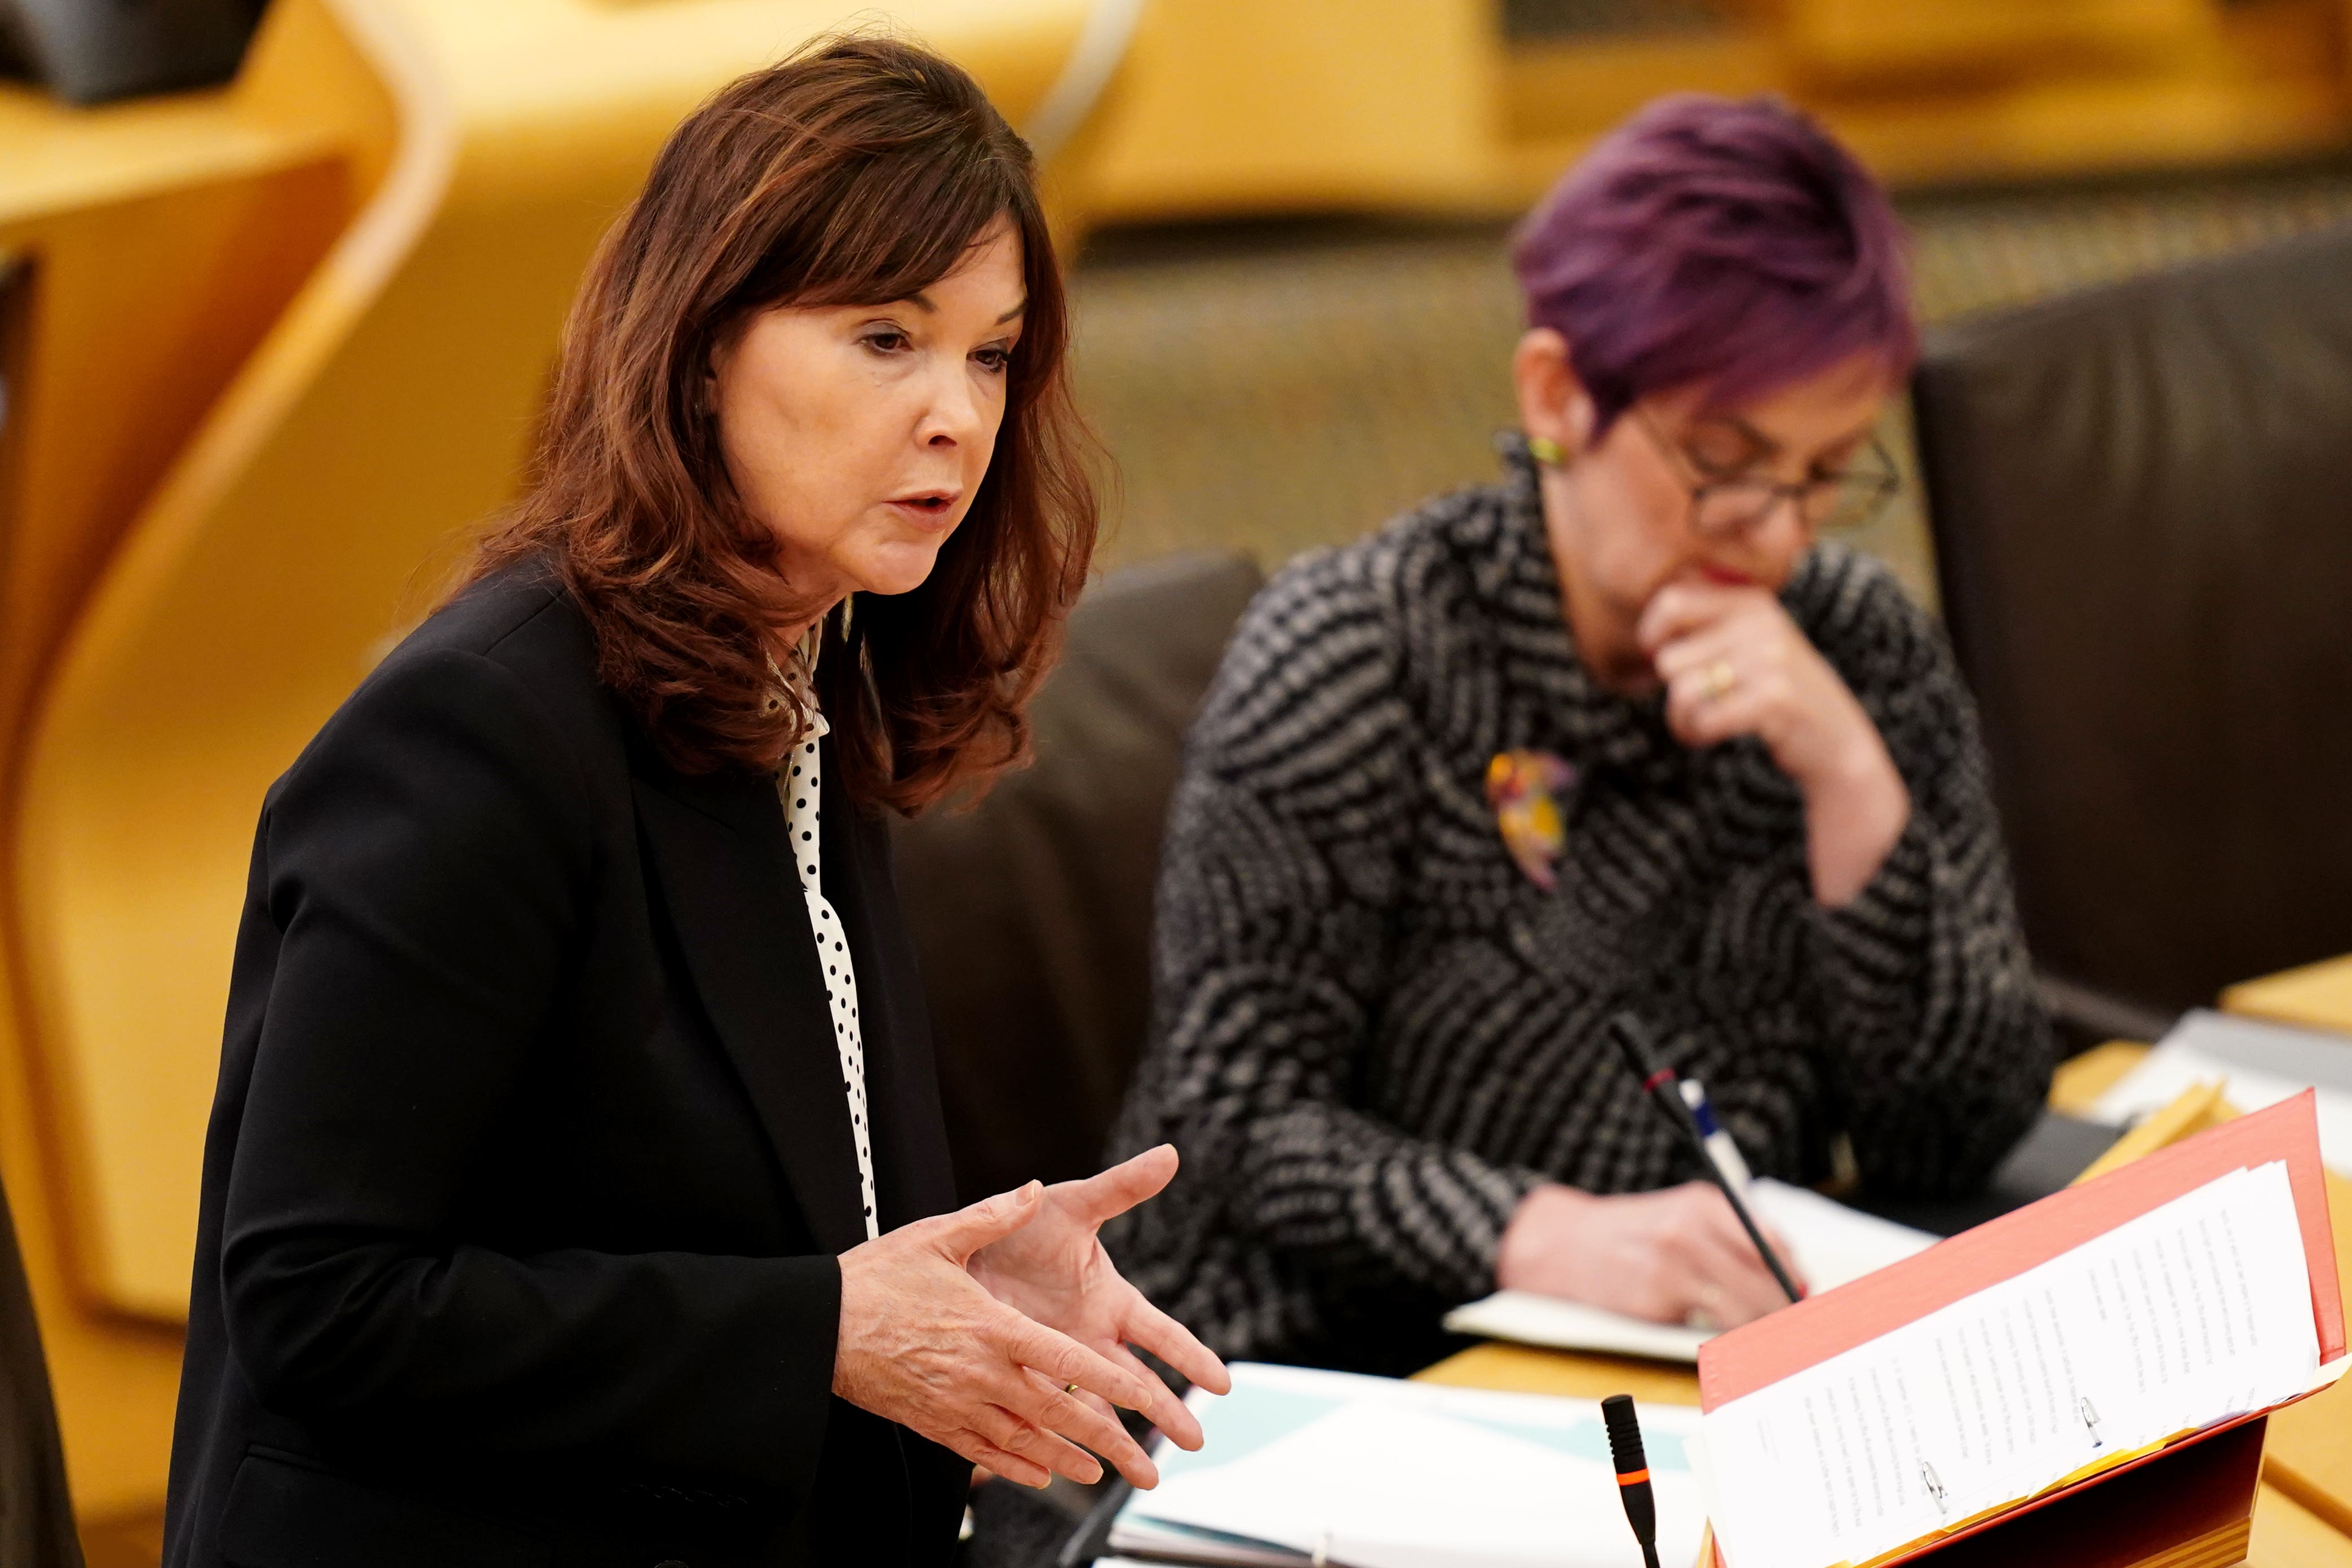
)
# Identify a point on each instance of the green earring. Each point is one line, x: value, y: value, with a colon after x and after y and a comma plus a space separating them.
x: 1547, y: 451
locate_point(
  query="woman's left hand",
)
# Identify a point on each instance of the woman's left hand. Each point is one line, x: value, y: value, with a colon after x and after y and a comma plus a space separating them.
x: 1735, y: 664
x: 1054, y: 1270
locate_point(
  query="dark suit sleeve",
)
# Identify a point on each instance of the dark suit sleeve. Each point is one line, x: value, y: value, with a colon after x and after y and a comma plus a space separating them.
x: 425, y: 867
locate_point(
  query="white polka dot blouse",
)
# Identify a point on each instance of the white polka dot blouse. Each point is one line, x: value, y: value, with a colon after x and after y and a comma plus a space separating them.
x: 797, y: 783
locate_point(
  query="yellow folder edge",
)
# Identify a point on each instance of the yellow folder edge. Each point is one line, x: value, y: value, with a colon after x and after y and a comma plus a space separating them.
x: 2195, y: 1109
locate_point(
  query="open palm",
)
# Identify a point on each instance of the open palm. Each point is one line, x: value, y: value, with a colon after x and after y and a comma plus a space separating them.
x: 1054, y: 1270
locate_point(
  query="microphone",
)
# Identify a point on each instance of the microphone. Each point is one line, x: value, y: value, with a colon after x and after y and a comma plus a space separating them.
x: 1633, y: 1473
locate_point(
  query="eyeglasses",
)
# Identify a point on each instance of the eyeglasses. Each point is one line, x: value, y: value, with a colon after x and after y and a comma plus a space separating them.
x: 1838, y: 503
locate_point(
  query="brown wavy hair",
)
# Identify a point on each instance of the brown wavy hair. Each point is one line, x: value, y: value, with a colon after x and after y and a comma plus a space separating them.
x: 858, y: 171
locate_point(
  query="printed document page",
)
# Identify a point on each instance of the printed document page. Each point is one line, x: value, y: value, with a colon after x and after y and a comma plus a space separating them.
x: 2194, y: 1313
x: 1377, y: 1473
x: 1832, y: 1243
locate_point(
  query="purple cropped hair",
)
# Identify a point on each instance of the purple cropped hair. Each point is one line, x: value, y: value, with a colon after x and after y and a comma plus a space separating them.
x: 1712, y: 241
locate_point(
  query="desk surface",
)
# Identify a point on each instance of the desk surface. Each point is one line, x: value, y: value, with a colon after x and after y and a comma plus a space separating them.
x: 2317, y: 995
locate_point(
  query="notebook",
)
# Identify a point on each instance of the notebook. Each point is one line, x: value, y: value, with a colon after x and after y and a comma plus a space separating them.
x: 1372, y: 1472
x: 1832, y: 1245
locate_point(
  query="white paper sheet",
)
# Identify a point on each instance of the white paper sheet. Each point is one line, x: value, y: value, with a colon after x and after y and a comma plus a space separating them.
x: 1383, y: 1474
x: 2259, y: 1063
x: 2194, y: 1313
x: 1832, y: 1245
x: 1525, y: 1318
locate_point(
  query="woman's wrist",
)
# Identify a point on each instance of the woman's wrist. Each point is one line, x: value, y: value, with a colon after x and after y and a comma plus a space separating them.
x: 1856, y: 811
x: 849, y: 1318
x: 1527, y: 1255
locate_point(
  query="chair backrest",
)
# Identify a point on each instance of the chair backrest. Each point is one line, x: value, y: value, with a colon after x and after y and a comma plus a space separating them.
x: 2141, y: 497
x: 87, y: 54
x: 1032, y: 913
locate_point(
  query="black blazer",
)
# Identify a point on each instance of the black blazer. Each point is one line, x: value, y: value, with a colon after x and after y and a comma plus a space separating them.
x: 530, y: 1156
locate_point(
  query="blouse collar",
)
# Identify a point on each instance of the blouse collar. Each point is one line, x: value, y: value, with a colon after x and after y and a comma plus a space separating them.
x: 795, y: 681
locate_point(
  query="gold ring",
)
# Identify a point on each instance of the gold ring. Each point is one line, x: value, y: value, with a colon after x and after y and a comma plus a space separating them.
x: 1719, y: 679
x: 1069, y: 1388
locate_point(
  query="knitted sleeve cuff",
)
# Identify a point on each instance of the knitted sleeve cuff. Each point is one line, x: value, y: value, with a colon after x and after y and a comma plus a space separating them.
x: 1448, y: 1218
x: 1877, y: 944
x: 1510, y: 1185
x: 1359, y: 1200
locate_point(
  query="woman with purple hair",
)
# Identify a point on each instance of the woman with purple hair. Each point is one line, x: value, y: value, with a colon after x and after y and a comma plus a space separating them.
x: 1625, y: 732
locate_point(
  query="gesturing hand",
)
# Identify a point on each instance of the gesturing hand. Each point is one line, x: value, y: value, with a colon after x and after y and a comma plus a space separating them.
x: 1054, y: 1270
x: 1735, y: 664
x: 923, y: 1344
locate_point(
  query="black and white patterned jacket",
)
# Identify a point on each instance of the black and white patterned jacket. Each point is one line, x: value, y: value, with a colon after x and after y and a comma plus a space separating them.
x: 1374, y: 1033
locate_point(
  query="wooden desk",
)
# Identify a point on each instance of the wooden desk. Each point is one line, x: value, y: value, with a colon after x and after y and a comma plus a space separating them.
x: 2303, y: 1516
x: 2318, y: 995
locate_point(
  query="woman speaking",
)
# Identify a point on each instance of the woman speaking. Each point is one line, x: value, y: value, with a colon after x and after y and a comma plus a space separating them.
x: 574, y: 1191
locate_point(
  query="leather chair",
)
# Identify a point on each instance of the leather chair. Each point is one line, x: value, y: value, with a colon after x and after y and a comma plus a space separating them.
x: 91, y: 53
x: 1032, y: 912
x: 2141, y: 499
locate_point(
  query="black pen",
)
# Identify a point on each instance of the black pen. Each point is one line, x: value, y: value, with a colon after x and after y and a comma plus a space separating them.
x: 1658, y: 1083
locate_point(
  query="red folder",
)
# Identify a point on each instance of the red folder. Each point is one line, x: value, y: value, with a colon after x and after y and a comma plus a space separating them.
x: 2183, y: 1505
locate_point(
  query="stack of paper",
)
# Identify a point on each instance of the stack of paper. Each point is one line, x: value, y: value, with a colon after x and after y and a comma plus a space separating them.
x: 2259, y: 1064
x: 1367, y: 1472
x: 2194, y: 1313
x: 1832, y: 1245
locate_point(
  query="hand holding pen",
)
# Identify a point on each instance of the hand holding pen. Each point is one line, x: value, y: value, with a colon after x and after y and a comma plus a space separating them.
x: 1674, y: 1256
x: 1679, y: 1255
x: 1658, y: 1082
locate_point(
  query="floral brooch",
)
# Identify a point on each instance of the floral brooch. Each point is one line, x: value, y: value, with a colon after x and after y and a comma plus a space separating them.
x: 1523, y: 788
